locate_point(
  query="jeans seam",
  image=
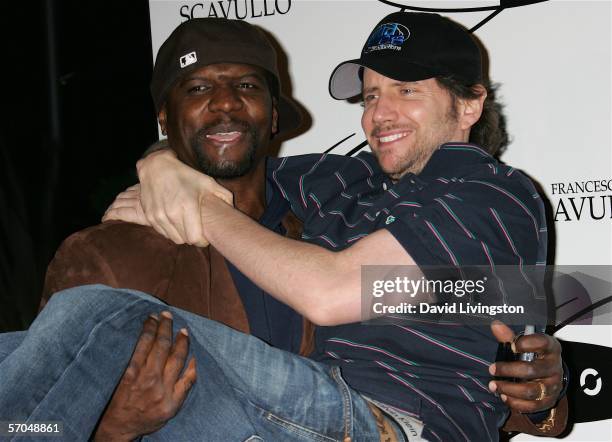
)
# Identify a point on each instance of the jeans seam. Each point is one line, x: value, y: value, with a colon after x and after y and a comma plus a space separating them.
x: 347, y: 408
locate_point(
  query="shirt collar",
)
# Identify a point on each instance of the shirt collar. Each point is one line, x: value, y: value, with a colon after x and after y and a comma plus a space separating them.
x: 449, y: 156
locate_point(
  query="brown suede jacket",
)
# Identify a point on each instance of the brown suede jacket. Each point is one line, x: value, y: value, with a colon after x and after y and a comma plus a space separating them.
x: 124, y: 255
x: 195, y: 279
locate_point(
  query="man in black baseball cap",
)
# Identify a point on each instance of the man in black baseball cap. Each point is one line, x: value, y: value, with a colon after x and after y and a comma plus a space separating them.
x: 216, y: 88
x: 188, y: 64
x: 413, y: 47
x: 208, y: 41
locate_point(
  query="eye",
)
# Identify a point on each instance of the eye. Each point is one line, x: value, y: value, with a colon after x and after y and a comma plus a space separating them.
x: 368, y: 98
x: 198, y: 89
x: 247, y: 85
x: 406, y: 91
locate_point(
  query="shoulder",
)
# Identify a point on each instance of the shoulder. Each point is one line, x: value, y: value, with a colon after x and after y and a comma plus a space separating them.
x: 327, y: 161
x: 117, y: 254
x: 468, y: 172
x: 115, y: 248
x: 117, y: 235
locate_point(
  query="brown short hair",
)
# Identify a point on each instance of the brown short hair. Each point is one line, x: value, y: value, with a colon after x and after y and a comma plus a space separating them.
x: 489, y: 132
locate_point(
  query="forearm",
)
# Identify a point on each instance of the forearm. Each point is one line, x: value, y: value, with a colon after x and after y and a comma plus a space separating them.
x: 306, y: 277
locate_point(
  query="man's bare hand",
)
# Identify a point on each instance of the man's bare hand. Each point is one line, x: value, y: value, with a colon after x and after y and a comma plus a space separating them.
x: 171, y: 195
x: 127, y: 207
x: 152, y: 388
x: 541, y: 379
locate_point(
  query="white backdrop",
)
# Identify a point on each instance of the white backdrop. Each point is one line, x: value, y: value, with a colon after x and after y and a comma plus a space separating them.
x: 553, y: 60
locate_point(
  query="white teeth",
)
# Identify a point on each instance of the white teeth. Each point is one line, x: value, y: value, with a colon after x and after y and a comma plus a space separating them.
x: 223, y: 134
x: 393, y: 137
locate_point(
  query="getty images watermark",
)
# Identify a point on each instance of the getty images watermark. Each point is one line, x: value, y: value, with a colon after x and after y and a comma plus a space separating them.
x: 411, y: 288
x: 478, y: 294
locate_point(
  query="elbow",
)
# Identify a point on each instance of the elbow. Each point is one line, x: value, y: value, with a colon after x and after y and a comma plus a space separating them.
x: 334, y: 297
x: 329, y: 307
x: 316, y: 308
x: 322, y: 317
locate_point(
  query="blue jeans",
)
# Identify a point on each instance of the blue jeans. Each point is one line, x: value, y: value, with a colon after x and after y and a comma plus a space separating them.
x: 66, y: 366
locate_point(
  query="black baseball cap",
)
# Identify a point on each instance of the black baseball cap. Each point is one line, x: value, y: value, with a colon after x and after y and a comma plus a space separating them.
x: 204, y: 41
x: 409, y: 46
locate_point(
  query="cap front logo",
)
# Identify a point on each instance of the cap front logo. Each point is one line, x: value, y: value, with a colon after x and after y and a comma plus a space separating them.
x: 387, y: 36
x: 188, y: 59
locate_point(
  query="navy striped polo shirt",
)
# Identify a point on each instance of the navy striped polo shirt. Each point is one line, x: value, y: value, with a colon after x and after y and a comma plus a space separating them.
x: 464, y: 208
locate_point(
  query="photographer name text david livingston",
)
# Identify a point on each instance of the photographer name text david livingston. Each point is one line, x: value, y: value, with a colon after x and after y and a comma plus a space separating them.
x: 447, y: 308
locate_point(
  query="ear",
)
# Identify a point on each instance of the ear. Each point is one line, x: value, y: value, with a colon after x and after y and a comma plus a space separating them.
x: 162, y: 118
x: 471, y: 108
x: 274, y: 116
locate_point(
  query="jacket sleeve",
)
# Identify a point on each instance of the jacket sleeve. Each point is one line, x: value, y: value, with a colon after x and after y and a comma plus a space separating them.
x: 552, y: 425
x: 76, y: 262
x: 116, y: 254
x: 125, y: 255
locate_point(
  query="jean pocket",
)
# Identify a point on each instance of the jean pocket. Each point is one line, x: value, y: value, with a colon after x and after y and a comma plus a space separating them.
x: 297, y: 430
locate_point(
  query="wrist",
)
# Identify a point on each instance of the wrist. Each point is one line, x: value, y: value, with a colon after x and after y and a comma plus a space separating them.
x: 106, y: 433
x: 158, y: 159
x: 113, y: 428
x: 215, y: 213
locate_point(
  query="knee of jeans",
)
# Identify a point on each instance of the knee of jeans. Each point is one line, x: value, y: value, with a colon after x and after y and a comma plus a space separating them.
x: 253, y: 438
x: 76, y: 295
x: 80, y: 302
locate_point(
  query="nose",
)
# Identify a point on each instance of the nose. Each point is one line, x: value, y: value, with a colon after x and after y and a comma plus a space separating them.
x: 383, y: 110
x: 225, y: 99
